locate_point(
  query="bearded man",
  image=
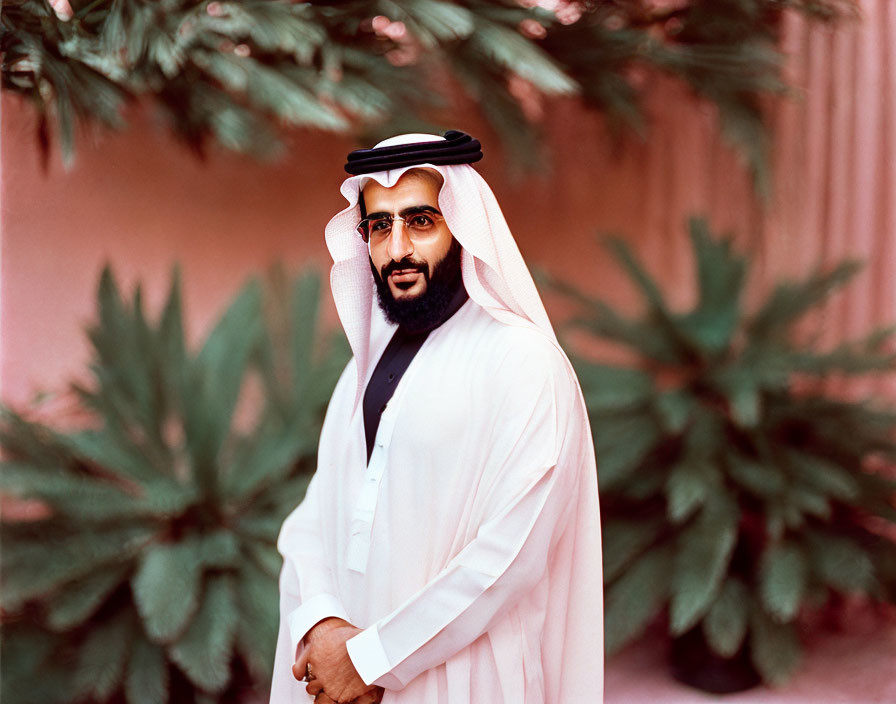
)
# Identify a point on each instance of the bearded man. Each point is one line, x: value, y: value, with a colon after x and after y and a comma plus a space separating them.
x: 447, y: 550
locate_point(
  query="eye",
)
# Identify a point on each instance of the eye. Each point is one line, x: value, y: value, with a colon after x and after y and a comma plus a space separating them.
x: 420, y: 221
x: 380, y: 224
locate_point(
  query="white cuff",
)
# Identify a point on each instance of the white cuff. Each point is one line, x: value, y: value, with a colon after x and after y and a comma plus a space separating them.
x: 369, y: 658
x: 311, y: 613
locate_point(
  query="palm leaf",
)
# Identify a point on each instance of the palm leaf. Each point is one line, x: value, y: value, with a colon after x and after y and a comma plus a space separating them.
x: 166, y: 588
x: 36, y: 570
x: 609, y: 388
x: 636, y: 597
x: 783, y: 573
x: 622, y: 446
x: 258, y: 605
x: 108, y: 450
x: 702, y: 554
x: 304, y: 309
x: 29, y: 675
x: 839, y: 562
x: 689, y: 485
x: 774, y: 647
x: 657, y: 310
x: 624, y: 540
x: 790, y: 301
x: 147, y: 674
x: 720, y: 279
x: 222, y: 362
x: 268, y: 460
x: 203, y: 653
x: 81, y: 599
x: 102, y: 658
x: 725, y: 624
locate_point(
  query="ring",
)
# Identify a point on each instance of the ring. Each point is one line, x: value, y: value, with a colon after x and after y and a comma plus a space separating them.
x: 308, y: 675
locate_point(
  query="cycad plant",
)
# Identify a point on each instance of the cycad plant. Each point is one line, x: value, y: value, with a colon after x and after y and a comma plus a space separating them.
x: 735, y: 492
x: 150, y: 575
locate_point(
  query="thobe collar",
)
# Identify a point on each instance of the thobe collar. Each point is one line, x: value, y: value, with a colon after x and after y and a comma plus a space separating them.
x: 393, y: 363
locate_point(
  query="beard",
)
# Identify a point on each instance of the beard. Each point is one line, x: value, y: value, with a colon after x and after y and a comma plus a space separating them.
x: 427, y: 310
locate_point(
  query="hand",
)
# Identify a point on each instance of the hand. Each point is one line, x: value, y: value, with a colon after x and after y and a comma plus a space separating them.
x: 374, y: 695
x: 334, y: 674
x: 299, y: 669
x: 319, y: 629
x: 323, y: 699
x: 371, y: 696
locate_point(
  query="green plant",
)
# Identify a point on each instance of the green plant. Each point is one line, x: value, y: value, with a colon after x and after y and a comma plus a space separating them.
x: 735, y: 492
x: 151, y: 575
x: 235, y: 72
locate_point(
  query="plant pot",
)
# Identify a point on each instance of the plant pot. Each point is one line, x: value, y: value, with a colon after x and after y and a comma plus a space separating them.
x: 694, y: 663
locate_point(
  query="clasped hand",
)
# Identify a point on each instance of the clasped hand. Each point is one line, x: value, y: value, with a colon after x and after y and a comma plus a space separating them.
x: 334, y: 678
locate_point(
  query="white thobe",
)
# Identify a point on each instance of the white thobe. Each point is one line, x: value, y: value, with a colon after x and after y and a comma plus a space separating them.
x: 467, y: 549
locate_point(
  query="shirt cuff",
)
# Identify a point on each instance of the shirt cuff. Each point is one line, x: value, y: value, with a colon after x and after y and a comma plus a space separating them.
x: 370, y: 659
x: 310, y: 613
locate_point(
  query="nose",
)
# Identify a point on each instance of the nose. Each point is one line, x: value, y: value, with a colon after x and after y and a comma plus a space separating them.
x: 400, y: 245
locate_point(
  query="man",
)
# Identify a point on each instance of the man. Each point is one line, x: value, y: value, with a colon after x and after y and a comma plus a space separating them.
x: 447, y: 549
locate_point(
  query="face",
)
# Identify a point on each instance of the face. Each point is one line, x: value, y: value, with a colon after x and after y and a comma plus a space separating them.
x: 406, y: 262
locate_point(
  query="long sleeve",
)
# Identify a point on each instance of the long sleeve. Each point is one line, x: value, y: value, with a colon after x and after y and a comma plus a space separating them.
x: 528, y: 508
x: 307, y: 584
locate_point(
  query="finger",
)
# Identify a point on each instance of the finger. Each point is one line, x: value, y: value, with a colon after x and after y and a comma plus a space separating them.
x: 298, y: 670
x: 322, y: 698
x: 314, y: 688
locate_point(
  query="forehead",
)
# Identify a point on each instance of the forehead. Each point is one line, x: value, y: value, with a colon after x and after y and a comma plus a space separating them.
x: 415, y: 187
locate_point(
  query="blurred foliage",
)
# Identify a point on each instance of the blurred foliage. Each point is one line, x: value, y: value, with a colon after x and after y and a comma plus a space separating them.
x: 152, y: 576
x: 734, y: 491
x: 236, y: 72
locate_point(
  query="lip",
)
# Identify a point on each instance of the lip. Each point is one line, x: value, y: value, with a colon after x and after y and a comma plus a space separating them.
x: 404, y: 275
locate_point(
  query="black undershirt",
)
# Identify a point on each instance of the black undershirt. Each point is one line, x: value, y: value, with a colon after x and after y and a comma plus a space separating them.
x: 392, y: 365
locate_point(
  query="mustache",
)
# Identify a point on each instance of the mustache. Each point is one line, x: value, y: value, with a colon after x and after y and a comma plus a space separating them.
x: 405, y: 263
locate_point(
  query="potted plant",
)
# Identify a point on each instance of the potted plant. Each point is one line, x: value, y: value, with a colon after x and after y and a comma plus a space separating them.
x: 736, y: 493
x: 150, y: 574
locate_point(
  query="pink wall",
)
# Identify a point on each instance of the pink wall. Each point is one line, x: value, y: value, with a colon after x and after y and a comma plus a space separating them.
x: 835, y: 166
x: 142, y: 202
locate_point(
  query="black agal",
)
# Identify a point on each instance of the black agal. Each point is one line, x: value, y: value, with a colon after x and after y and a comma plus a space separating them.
x: 457, y: 148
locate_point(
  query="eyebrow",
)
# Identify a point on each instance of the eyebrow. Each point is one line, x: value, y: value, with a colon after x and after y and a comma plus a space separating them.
x: 413, y: 210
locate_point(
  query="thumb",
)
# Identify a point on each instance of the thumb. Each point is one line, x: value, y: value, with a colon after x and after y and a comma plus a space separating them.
x: 298, y: 670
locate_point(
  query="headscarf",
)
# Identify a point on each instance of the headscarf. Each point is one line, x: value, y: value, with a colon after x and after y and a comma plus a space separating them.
x: 492, y: 267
